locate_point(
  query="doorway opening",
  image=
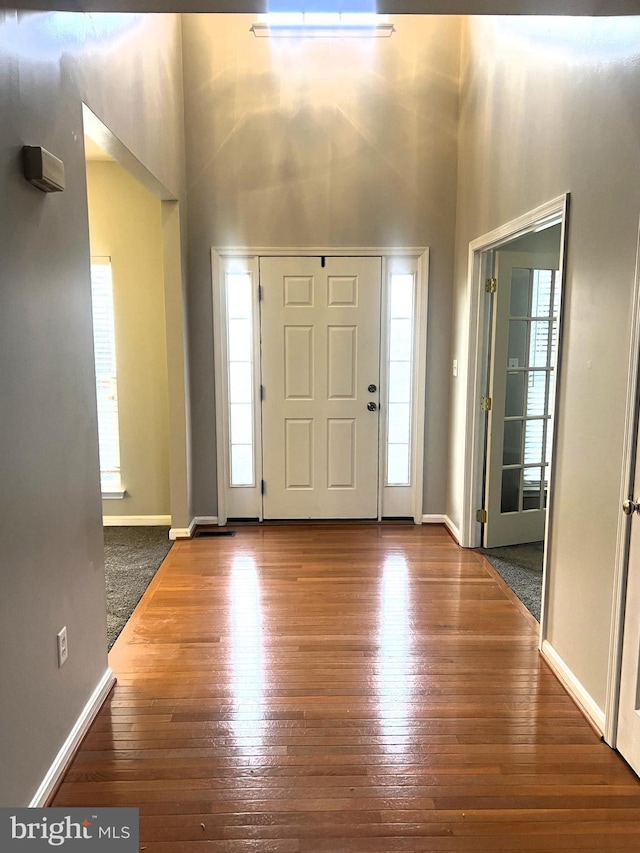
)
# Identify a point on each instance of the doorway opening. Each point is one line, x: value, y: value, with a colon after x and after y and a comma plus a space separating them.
x: 125, y: 233
x: 320, y: 366
x: 169, y: 304
x: 516, y: 274
x: 140, y: 366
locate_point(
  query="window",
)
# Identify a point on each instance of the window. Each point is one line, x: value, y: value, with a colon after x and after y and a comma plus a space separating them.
x: 240, y: 365
x: 104, y: 345
x: 322, y: 25
x: 401, y: 327
x: 530, y: 387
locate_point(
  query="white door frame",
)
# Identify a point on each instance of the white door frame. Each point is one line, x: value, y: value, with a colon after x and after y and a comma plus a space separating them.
x: 631, y: 426
x: 478, y: 343
x: 393, y: 258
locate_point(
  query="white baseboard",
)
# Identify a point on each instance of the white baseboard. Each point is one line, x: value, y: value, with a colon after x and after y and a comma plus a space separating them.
x: 136, y: 520
x: 581, y: 697
x: 187, y: 532
x: 183, y: 532
x: 69, y: 747
x: 443, y: 519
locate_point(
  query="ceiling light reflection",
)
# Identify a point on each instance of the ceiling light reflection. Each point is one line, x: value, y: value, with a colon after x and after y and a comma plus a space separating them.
x: 393, y: 670
x: 247, y: 651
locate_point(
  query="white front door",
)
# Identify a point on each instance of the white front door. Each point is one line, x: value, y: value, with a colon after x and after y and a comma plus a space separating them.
x: 522, y: 389
x: 628, y: 735
x: 320, y: 329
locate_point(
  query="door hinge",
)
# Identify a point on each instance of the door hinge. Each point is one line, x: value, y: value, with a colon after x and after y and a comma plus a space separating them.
x: 259, y: 293
x: 262, y: 392
x: 485, y: 404
x: 262, y: 487
x: 491, y: 285
x: 481, y: 516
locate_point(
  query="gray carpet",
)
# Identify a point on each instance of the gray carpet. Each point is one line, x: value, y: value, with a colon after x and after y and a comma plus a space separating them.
x: 132, y: 556
x: 521, y: 567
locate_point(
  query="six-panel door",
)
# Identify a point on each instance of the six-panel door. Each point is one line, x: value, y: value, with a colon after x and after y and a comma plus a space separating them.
x: 320, y: 327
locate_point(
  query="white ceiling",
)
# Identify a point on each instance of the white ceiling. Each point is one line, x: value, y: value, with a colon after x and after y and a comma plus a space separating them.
x: 391, y: 7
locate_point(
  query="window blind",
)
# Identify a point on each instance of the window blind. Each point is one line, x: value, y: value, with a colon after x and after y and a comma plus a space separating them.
x: 106, y: 375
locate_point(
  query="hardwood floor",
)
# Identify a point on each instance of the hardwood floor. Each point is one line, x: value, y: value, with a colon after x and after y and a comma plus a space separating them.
x: 345, y: 689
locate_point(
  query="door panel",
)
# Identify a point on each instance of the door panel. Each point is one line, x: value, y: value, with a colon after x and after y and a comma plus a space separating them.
x: 522, y: 387
x: 298, y: 362
x: 628, y: 736
x: 342, y: 348
x: 320, y: 329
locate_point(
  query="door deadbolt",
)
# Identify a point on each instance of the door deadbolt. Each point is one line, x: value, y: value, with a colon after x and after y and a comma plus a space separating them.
x: 372, y: 389
x: 372, y: 407
x: 631, y: 506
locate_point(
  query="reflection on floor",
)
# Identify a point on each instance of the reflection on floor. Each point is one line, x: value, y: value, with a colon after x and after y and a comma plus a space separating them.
x: 362, y: 688
x: 521, y: 567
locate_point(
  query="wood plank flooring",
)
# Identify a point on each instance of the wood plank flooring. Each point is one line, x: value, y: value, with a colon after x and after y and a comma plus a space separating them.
x: 345, y: 689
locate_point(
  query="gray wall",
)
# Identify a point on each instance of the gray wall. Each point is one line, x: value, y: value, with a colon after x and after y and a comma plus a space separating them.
x: 337, y: 143
x: 129, y: 72
x: 548, y: 107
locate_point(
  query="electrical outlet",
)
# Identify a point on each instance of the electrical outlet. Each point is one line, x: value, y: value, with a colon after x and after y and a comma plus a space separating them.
x: 63, y: 648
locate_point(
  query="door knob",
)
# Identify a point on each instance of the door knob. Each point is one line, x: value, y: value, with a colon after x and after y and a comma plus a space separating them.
x: 631, y: 506
x: 372, y: 407
x: 372, y: 389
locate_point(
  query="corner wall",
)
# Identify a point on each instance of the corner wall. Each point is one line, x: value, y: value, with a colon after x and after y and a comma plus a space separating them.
x: 550, y: 106
x: 337, y: 142
x: 128, y: 70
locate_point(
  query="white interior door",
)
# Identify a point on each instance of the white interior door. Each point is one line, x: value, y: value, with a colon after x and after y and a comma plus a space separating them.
x: 320, y: 328
x: 522, y: 390
x: 628, y: 735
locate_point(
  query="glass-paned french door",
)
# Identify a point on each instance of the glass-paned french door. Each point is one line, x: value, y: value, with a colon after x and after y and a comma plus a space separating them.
x: 522, y: 393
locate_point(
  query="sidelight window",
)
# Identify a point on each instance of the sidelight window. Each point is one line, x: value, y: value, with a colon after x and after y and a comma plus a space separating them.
x: 240, y: 377
x: 104, y: 345
x: 400, y: 362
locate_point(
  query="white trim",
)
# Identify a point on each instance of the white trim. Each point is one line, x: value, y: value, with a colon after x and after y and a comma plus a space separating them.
x: 250, y: 256
x: 182, y: 532
x: 576, y: 690
x: 614, y: 673
x: 136, y: 520
x: 220, y: 385
x: 476, y: 364
x: 383, y: 374
x: 420, y: 382
x: 113, y: 495
x: 551, y: 497
x: 335, y: 252
x: 71, y: 744
x: 443, y: 519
